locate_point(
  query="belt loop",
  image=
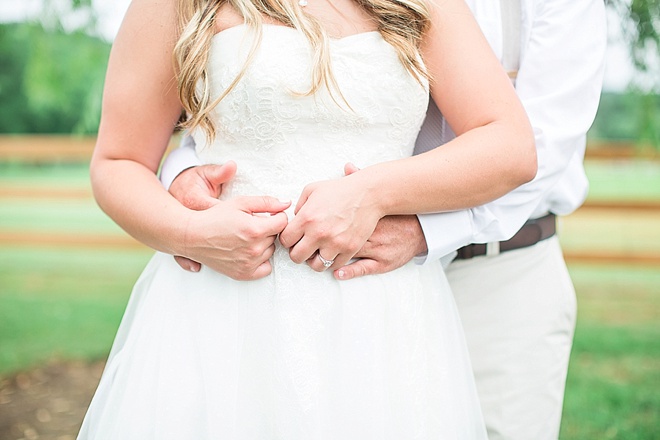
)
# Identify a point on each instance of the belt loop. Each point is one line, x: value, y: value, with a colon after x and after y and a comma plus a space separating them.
x: 492, y: 248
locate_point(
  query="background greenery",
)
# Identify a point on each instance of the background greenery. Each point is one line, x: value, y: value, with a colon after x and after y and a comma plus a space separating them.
x: 66, y: 302
x: 51, y: 76
x: 50, y: 81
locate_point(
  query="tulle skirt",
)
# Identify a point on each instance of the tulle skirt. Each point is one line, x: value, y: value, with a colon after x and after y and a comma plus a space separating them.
x: 295, y: 355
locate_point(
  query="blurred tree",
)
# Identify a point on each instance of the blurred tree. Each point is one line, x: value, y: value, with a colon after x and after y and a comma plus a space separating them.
x: 14, y: 48
x: 52, y: 71
x: 50, y: 80
x: 640, y: 25
x: 619, y: 115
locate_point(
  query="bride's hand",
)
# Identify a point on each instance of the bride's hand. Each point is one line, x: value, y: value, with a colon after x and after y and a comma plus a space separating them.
x: 236, y: 237
x: 333, y: 221
x: 198, y: 188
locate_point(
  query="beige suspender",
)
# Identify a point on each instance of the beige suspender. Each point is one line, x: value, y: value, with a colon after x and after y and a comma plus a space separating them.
x: 435, y: 129
x: 511, y: 18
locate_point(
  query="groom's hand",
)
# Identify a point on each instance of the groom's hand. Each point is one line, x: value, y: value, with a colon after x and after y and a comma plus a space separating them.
x: 396, y: 240
x: 199, y: 187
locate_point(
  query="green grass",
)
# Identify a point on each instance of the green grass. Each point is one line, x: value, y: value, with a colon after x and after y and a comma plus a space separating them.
x: 62, y: 303
x: 613, y: 386
x: 55, y: 216
x: 58, y: 175
x: 623, y: 180
x: 67, y: 303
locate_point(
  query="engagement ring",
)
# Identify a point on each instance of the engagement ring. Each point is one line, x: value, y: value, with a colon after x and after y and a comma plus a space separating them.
x: 326, y: 263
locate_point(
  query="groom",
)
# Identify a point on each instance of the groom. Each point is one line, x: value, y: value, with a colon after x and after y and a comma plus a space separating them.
x: 510, y: 282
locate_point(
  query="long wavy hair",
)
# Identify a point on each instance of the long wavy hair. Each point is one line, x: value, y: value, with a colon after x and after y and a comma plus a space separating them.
x: 401, y: 23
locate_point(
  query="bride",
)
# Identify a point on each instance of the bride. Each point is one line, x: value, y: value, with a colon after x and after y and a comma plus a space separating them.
x: 258, y: 345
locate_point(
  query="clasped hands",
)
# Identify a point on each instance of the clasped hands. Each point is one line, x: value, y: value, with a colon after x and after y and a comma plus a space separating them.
x: 333, y: 223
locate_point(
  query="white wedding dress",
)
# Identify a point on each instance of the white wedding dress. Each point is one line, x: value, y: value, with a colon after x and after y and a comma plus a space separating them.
x: 296, y: 355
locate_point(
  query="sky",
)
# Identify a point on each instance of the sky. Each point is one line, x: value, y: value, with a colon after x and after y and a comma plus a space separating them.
x: 618, y: 69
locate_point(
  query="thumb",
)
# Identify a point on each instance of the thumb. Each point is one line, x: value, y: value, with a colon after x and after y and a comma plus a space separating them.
x: 258, y: 204
x: 216, y: 175
x: 362, y: 267
x: 349, y: 169
x: 187, y: 264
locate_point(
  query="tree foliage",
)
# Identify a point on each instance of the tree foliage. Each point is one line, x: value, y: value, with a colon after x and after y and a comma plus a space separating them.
x: 640, y: 25
x: 52, y: 71
x: 50, y: 81
x: 624, y: 116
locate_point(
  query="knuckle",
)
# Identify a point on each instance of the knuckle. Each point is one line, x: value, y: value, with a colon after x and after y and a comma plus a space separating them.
x: 254, y: 252
x: 251, y: 232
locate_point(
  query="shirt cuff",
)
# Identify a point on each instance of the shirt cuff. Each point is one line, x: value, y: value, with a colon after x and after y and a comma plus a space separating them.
x: 177, y: 162
x: 445, y: 233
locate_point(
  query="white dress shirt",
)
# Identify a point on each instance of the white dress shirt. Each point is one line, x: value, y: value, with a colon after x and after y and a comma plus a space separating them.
x: 562, y: 55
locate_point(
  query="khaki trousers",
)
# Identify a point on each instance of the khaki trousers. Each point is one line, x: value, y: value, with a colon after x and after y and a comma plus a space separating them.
x: 518, y: 310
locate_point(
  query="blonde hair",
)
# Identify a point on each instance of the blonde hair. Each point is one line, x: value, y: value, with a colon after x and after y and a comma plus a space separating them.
x: 401, y: 23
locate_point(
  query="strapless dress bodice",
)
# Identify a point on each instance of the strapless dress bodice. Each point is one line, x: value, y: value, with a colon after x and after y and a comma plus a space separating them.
x: 297, y: 354
x: 282, y: 139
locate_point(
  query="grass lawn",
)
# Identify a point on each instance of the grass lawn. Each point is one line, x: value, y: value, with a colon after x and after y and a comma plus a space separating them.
x: 67, y: 302
x: 59, y: 303
x: 623, y: 180
x: 613, y: 386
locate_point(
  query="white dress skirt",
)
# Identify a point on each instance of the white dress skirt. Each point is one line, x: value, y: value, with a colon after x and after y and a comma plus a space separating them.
x: 296, y: 355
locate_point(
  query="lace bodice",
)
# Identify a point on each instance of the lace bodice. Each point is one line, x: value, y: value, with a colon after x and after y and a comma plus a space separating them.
x: 282, y: 140
x: 295, y: 355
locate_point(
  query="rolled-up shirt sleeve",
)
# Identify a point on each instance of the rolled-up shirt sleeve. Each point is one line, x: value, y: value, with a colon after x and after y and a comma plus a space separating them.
x: 178, y: 161
x: 559, y: 83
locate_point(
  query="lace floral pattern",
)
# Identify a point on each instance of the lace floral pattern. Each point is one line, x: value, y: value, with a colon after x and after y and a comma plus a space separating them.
x: 296, y: 355
x: 272, y: 131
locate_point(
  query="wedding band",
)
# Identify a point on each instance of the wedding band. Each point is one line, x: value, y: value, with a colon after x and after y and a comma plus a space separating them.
x: 326, y: 263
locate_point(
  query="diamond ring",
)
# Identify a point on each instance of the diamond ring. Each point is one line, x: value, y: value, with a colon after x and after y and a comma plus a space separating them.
x: 326, y: 263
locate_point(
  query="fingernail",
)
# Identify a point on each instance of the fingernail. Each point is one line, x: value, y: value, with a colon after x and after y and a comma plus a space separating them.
x: 285, y: 201
x: 341, y: 273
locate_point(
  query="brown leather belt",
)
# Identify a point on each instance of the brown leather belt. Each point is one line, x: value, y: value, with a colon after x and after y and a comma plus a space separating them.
x: 531, y: 233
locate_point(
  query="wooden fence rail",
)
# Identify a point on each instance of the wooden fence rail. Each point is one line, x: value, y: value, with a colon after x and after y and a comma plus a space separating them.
x: 54, y: 149
x: 50, y: 148
x: 60, y: 240
x: 45, y: 149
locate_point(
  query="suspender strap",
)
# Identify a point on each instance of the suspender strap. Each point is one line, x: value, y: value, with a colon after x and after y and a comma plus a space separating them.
x: 511, y: 18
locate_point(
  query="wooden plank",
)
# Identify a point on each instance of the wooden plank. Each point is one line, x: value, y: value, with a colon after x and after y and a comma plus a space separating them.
x: 108, y: 241
x: 620, y: 150
x: 77, y: 193
x: 622, y: 205
x: 43, y: 149
x: 51, y: 148
x: 64, y: 239
x: 611, y: 257
x: 66, y: 148
x: 38, y: 192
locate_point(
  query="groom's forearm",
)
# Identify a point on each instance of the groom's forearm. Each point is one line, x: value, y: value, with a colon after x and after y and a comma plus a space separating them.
x: 178, y: 161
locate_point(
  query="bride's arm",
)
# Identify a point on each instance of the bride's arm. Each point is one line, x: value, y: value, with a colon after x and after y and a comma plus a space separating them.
x: 140, y: 110
x: 492, y: 154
